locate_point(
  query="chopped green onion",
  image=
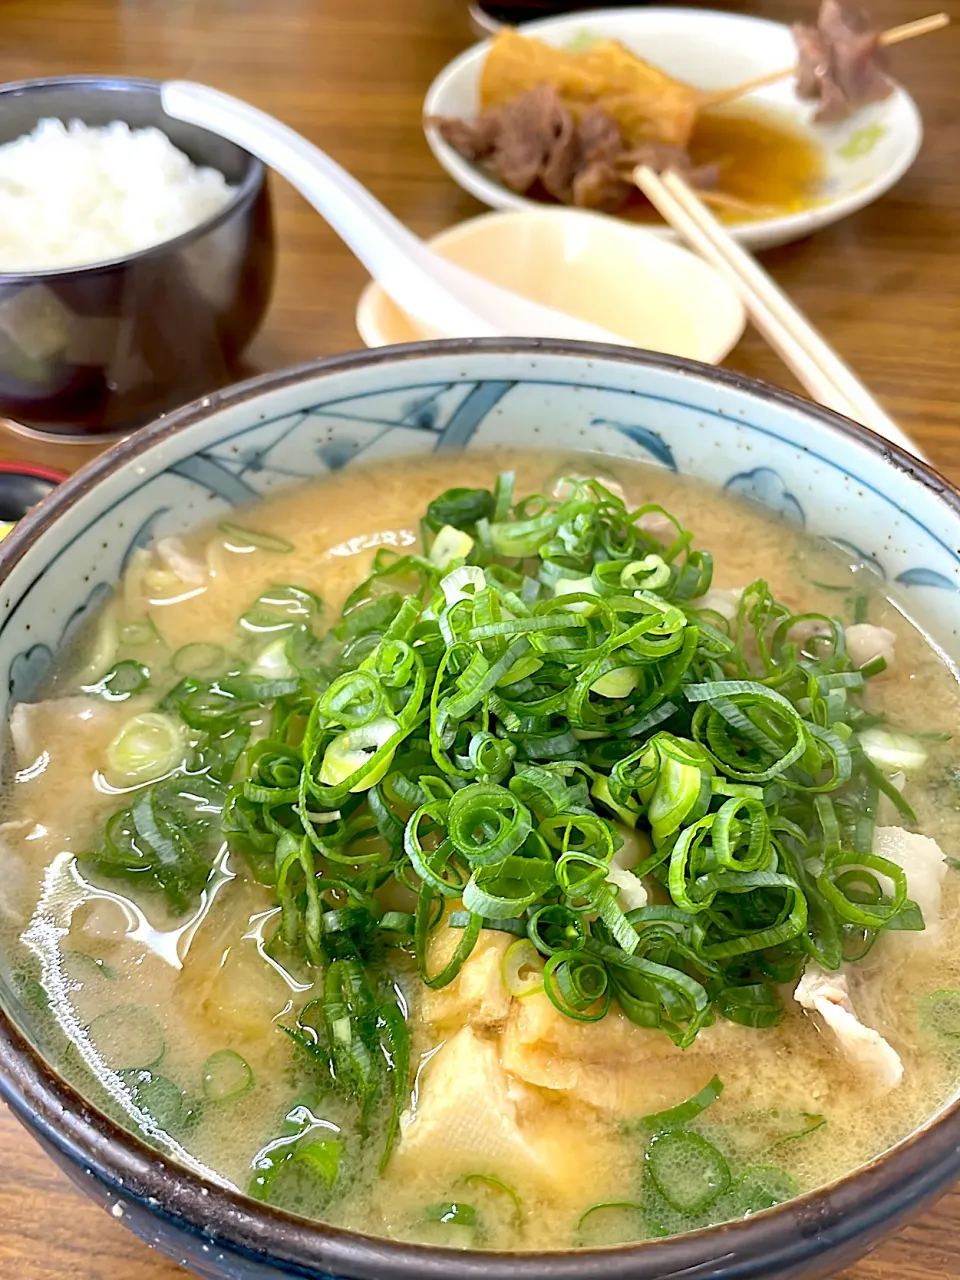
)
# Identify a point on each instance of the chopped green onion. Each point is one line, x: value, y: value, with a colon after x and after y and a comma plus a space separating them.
x: 503, y: 495
x: 124, y: 679
x: 128, y: 1038
x: 522, y: 968
x: 576, y: 587
x: 487, y: 823
x: 811, y: 1123
x: 883, y: 784
x: 244, y: 539
x: 484, y: 736
x: 649, y: 574
x: 514, y: 925
x: 940, y: 1013
x: 461, y: 508
x: 105, y: 644
x: 280, y: 609
x: 455, y: 583
x: 893, y: 752
x: 321, y: 1157
x: 762, y: 1188
x: 874, y: 667
x: 160, y: 1098
x: 199, y: 659
x: 273, y: 663
x: 147, y: 747
x: 578, y: 986
x: 351, y: 752
x: 226, y: 1076
x: 619, y: 683
x: 613, y: 1209
x: 754, y: 1004
x: 681, y: 1115
x: 82, y: 969
x: 450, y: 544
x: 138, y: 633
x: 507, y: 888
x: 451, y: 1213
x: 496, y: 1184
x: 689, y: 1172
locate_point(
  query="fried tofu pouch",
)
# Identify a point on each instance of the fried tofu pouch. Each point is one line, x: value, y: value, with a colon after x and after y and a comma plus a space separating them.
x: 647, y: 104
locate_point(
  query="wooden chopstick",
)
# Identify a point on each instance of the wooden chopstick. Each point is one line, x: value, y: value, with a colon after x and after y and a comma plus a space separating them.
x: 812, y: 360
x: 895, y: 35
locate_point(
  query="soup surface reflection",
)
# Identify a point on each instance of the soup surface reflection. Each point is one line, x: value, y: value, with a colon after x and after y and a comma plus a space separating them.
x: 253, y: 999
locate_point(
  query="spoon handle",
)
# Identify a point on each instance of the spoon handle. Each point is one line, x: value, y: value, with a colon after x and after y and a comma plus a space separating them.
x: 391, y: 253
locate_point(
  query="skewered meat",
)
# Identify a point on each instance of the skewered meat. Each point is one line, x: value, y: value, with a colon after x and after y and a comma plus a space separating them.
x: 840, y: 62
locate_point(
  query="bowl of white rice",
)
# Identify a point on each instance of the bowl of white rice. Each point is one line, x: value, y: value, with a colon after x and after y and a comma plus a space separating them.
x: 136, y: 256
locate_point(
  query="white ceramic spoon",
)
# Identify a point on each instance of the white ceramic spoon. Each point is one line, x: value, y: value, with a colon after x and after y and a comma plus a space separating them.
x: 444, y: 299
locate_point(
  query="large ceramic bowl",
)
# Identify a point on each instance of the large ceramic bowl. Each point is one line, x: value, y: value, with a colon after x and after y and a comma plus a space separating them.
x: 105, y: 348
x: 809, y: 466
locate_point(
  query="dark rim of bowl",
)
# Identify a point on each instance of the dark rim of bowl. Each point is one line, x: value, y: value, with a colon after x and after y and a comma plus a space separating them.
x: 246, y: 190
x: 862, y: 1204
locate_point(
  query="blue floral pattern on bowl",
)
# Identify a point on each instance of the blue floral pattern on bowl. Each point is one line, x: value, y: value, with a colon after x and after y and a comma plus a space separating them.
x: 767, y: 487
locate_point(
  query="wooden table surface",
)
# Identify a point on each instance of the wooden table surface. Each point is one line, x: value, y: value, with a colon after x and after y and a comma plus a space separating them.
x: 884, y: 286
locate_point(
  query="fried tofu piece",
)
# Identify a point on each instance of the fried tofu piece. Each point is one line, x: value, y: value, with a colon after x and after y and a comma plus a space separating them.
x: 647, y: 104
x: 476, y: 997
x: 613, y: 1065
x: 470, y: 1116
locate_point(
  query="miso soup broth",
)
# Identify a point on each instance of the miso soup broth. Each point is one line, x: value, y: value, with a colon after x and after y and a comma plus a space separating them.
x: 490, y: 870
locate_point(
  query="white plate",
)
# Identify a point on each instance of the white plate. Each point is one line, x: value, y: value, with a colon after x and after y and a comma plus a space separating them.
x: 865, y: 155
x: 658, y: 296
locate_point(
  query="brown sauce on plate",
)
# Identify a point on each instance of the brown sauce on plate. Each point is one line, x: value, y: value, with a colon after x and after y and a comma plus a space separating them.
x: 765, y: 159
x: 769, y: 167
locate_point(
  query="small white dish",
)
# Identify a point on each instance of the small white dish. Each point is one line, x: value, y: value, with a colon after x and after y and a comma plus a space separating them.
x: 655, y: 294
x: 865, y: 156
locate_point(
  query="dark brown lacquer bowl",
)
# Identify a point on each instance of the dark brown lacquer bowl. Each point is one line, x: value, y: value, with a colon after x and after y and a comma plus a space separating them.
x: 828, y: 475
x: 103, y: 349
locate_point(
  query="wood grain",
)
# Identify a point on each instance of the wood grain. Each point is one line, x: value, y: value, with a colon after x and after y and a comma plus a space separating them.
x: 884, y: 286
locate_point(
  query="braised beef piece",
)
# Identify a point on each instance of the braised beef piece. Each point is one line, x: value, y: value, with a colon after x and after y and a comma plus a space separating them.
x: 533, y: 135
x: 599, y: 182
x: 600, y: 136
x: 536, y: 139
x: 473, y: 139
x: 530, y: 129
x: 564, y: 157
x: 841, y: 65
x: 600, y: 185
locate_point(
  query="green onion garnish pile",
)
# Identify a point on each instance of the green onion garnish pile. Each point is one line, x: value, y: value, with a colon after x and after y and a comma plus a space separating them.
x: 482, y: 724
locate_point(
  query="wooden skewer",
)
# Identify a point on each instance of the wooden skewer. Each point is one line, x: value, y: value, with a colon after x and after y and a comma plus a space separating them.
x: 814, y: 362
x: 733, y: 204
x: 749, y: 210
x: 895, y: 35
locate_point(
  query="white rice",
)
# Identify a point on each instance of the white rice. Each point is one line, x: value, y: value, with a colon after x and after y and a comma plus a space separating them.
x: 71, y: 196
